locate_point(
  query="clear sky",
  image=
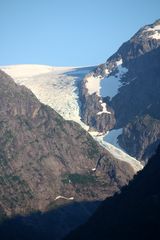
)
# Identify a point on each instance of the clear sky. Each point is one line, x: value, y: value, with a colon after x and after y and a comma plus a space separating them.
x: 69, y: 32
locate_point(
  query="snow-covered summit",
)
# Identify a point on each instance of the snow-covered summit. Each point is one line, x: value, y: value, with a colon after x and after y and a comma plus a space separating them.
x: 154, y: 32
x: 149, y: 32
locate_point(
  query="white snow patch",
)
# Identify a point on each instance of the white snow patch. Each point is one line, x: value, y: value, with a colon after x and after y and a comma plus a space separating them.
x: 104, y: 110
x: 111, y: 84
x: 156, y: 35
x: 93, y: 169
x: 95, y: 133
x: 29, y: 70
x: 108, y: 85
x: 106, y: 71
x: 155, y: 32
x: 93, y: 84
x: 62, y: 197
x: 157, y: 27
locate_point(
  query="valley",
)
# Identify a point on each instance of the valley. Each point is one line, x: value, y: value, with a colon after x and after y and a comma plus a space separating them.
x: 59, y: 88
x: 72, y: 138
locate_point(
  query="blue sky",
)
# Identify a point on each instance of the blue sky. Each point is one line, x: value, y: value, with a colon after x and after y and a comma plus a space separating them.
x: 69, y: 32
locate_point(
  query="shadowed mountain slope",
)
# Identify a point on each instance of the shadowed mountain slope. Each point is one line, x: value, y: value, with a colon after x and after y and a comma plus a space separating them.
x: 132, y: 214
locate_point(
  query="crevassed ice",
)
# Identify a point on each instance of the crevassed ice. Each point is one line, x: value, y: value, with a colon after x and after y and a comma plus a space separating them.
x: 54, y: 86
x: 57, y: 87
x: 93, y: 84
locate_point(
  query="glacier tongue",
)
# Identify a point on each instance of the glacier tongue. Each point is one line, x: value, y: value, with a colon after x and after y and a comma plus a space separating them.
x: 109, y: 142
x: 121, y: 155
x: 58, y: 88
x: 112, y: 137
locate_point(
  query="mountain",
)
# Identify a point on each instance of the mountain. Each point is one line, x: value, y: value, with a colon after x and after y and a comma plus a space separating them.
x: 121, y: 94
x: 72, y: 136
x: 129, y: 84
x: 47, y: 162
x: 67, y: 85
x: 132, y: 214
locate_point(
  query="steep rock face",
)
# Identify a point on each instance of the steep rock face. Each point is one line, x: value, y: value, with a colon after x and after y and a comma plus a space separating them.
x: 46, y: 161
x: 144, y: 134
x: 138, y: 93
x: 92, y: 111
x: 129, y: 84
x: 139, y: 97
x: 132, y: 214
x: 140, y: 90
x: 145, y: 40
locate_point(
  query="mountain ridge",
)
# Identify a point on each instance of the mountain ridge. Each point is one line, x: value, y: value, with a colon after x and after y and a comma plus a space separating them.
x: 130, y: 72
x: 66, y: 83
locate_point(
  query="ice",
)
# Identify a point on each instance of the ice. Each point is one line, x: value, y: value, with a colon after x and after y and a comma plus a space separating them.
x: 62, y: 197
x: 156, y: 35
x: 93, y: 169
x: 108, y: 85
x: 109, y: 142
x: 54, y: 86
x: 120, y: 154
x: 112, y: 137
x: 58, y: 88
x: 155, y: 32
x: 93, y: 84
x: 111, y: 84
x: 104, y: 110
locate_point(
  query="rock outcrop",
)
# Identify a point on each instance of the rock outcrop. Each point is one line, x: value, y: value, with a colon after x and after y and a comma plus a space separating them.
x: 92, y: 110
x: 143, y: 134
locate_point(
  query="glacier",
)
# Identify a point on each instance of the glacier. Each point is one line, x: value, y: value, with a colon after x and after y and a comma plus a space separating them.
x: 58, y: 87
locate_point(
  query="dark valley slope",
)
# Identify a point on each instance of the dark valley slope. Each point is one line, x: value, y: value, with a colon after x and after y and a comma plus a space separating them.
x: 46, y: 162
x: 132, y: 214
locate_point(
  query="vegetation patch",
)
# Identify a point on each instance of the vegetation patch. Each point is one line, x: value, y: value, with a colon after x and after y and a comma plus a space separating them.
x: 8, y: 137
x: 59, y: 121
x: 92, y: 150
x: 76, y: 178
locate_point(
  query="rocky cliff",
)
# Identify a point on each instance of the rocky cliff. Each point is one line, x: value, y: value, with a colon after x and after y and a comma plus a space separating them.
x: 143, y: 134
x: 92, y: 109
x: 46, y: 161
x: 129, y: 85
